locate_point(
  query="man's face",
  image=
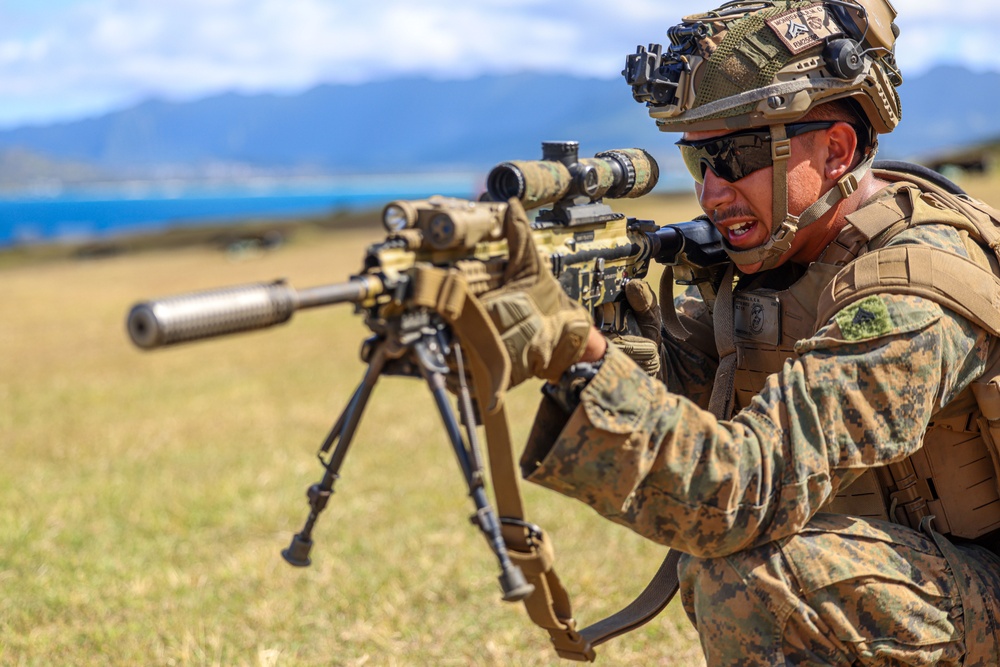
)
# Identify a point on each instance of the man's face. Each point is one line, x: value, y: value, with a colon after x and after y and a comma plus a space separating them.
x: 742, y: 210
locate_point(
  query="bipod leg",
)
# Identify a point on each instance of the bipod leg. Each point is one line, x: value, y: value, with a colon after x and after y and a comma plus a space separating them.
x: 468, y: 414
x: 343, y: 430
x: 512, y: 581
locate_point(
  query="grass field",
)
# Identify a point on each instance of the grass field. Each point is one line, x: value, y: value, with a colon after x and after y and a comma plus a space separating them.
x: 145, y: 497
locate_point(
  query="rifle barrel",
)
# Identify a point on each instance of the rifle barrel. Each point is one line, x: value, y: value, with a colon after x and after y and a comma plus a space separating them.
x: 218, y: 312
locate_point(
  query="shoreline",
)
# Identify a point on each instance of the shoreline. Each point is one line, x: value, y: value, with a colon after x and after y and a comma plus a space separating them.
x: 249, y: 233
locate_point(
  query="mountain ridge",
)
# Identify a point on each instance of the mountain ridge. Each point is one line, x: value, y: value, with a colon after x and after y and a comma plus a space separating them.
x: 415, y: 124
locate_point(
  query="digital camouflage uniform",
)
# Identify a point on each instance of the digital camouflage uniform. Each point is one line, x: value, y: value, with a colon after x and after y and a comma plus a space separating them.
x: 890, y: 368
x: 770, y: 579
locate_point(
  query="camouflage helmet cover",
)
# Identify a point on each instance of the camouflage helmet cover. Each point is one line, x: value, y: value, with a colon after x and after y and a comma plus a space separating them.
x: 754, y: 64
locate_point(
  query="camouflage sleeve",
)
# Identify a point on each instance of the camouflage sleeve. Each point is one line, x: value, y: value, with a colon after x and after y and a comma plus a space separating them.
x: 860, y: 394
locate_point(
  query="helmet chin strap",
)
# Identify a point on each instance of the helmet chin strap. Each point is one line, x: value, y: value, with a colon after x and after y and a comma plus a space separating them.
x: 782, y: 235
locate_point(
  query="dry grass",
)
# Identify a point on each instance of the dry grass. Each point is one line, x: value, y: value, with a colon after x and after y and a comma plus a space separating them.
x: 145, y: 497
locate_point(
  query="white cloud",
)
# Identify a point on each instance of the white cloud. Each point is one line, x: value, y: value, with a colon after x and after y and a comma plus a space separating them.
x: 122, y: 50
x: 183, y: 47
x: 961, y: 12
x: 932, y: 31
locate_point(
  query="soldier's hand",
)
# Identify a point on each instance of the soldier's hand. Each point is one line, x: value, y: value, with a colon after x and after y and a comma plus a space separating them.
x: 644, y: 350
x: 544, y: 331
x: 647, y: 312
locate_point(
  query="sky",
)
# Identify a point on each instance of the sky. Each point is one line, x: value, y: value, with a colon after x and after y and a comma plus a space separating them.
x: 66, y: 59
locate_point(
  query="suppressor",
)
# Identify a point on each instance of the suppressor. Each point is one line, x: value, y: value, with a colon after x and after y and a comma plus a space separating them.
x: 219, y: 312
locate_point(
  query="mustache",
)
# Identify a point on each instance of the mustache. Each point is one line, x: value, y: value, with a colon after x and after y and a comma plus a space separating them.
x: 720, y: 216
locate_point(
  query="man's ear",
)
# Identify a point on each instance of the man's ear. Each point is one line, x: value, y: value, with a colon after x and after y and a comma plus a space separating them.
x: 841, y: 144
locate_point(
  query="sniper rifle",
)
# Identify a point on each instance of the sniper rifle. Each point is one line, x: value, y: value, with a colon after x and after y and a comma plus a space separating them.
x: 417, y: 290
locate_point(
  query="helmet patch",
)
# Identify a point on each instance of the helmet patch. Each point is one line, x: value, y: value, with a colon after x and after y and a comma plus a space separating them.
x: 802, y: 29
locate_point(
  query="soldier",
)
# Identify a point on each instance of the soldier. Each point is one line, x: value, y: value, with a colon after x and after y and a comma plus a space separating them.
x: 823, y: 446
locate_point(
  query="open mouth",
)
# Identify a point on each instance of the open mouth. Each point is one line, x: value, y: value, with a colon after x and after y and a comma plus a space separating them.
x: 741, y: 231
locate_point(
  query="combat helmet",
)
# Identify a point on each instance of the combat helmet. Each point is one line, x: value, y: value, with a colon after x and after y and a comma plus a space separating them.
x: 766, y: 63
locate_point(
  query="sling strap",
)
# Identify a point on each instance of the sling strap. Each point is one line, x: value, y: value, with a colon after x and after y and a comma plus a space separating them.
x: 549, y: 605
x: 446, y: 291
x: 724, y: 388
x: 671, y: 322
x: 658, y: 593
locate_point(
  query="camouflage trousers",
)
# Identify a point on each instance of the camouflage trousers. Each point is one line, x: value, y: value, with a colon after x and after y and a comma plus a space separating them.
x: 847, y: 591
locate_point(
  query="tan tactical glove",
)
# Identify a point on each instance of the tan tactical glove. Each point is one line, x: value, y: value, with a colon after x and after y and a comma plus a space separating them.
x: 544, y: 331
x: 644, y: 350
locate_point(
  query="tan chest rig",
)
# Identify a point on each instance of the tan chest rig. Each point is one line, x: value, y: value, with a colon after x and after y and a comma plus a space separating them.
x: 955, y: 476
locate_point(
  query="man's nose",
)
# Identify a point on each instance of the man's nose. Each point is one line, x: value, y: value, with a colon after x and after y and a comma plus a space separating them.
x: 714, y: 193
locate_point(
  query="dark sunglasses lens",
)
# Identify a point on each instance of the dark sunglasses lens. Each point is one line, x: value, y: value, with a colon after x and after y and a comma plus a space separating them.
x: 699, y: 158
x: 749, y: 153
x: 693, y: 161
x: 730, y: 158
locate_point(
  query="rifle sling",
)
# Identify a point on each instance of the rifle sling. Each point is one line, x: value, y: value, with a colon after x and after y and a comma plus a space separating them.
x: 549, y: 606
x: 446, y: 292
x: 671, y: 322
x: 658, y: 593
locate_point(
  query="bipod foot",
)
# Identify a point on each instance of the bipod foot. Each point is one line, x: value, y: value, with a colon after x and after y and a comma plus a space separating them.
x: 513, y: 584
x: 297, y: 553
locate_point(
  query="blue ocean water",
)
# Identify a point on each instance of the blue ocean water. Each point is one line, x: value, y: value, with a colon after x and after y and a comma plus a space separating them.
x: 85, y: 214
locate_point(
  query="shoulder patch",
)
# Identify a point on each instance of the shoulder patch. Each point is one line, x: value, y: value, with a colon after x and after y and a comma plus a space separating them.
x: 867, y: 318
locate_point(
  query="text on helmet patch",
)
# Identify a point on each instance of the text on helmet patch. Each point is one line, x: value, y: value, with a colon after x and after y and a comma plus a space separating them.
x: 801, y: 29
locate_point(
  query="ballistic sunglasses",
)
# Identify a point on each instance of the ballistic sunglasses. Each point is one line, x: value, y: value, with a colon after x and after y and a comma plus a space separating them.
x: 733, y: 156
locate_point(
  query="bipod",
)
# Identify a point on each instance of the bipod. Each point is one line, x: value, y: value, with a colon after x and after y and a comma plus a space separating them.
x: 421, y: 352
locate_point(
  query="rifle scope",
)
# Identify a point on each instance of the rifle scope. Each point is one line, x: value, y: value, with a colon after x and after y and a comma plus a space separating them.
x: 562, y: 175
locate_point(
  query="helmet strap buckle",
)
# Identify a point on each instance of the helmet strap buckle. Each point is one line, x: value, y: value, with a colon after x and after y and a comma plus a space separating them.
x: 783, y: 236
x: 848, y: 184
x: 781, y: 149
